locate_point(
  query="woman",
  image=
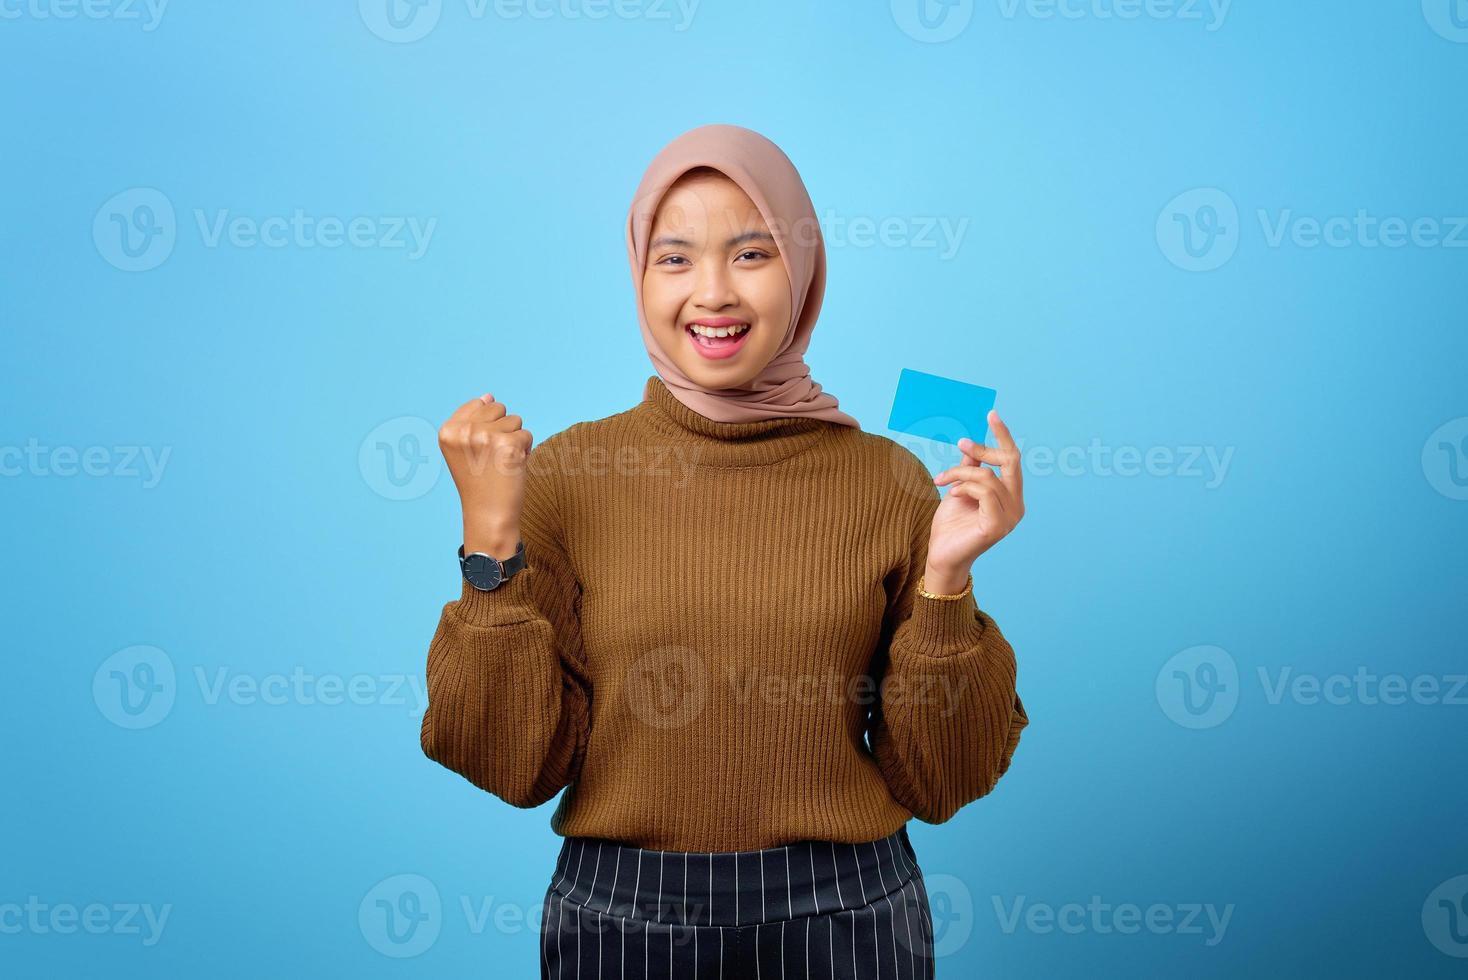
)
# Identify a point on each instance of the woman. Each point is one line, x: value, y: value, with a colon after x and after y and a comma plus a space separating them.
x: 712, y: 583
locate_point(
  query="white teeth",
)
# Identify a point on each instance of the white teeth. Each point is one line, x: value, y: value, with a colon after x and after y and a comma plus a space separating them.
x: 718, y: 331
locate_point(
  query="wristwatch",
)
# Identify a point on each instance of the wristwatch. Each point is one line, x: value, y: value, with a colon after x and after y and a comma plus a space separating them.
x: 486, y: 572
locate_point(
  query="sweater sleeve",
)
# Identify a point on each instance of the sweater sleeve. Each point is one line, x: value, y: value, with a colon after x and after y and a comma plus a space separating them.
x: 509, y: 699
x: 948, y: 719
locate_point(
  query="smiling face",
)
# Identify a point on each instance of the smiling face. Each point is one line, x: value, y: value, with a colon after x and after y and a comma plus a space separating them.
x: 713, y: 268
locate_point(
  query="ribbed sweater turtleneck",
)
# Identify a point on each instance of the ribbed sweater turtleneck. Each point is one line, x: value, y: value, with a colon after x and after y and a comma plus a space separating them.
x: 694, y: 647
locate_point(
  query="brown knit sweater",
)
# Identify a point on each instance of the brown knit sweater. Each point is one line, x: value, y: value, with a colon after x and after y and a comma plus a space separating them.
x: 694, y: 646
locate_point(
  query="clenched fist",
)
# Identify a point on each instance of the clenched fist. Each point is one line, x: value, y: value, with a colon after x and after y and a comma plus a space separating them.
x: 486, y: 451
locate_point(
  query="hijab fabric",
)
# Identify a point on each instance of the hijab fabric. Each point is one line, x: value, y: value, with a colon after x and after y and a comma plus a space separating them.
x: 784, y: 388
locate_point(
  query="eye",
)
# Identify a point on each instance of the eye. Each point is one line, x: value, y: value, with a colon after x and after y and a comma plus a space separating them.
x: 670, y: 259
x: 754, y: 252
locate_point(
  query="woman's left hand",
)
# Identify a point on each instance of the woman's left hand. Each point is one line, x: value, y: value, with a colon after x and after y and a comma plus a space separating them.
x: 982, y: 507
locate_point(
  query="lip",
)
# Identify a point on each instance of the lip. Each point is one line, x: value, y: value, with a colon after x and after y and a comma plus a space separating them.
x: 715, y: 321
x: 720, y: 353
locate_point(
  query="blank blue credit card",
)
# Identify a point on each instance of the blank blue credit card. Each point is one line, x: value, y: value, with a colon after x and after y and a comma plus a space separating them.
x: 939, y: 408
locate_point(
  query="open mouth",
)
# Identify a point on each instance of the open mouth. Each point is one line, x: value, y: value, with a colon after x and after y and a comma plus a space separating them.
x: 703, y: 335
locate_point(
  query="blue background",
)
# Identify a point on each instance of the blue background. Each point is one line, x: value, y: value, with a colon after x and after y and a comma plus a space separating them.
x: 1333, y: 540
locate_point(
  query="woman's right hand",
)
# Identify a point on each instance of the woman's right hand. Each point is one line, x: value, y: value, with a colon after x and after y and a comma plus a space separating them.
x: 486, y: 451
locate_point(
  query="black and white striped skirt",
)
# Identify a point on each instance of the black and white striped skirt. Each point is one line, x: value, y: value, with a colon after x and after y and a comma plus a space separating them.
x: 812, y: 909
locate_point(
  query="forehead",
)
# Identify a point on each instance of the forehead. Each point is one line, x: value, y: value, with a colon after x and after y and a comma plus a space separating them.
x: 706, y: 201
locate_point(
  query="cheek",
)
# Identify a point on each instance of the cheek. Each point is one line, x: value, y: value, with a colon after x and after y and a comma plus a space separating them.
x: 658, y: 301
x: 773, y: 297
x: 769, y: 343
x: 662, y: 297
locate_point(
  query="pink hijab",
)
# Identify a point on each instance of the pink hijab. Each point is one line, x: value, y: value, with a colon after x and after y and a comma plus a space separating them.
x: 784, y: 389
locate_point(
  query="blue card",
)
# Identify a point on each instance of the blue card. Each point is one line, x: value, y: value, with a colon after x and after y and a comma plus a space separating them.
x: 939, y: 408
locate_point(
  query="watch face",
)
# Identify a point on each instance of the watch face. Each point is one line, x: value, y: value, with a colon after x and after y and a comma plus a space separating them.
x: 482, y: 571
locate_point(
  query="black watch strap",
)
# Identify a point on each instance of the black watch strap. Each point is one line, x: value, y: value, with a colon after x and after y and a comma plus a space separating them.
x: 486, y: 572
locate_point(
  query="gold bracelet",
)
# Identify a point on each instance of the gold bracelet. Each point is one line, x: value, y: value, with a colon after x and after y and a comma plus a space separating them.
x: 933, y: 595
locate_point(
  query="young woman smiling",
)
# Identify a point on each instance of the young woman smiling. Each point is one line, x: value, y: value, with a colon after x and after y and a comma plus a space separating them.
x: 747, y: 674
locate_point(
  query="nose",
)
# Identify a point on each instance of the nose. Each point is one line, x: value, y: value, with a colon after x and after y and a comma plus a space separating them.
x: 714, y: 287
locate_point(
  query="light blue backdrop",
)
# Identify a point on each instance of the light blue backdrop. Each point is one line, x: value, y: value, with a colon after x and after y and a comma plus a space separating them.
x: 1213, y: 259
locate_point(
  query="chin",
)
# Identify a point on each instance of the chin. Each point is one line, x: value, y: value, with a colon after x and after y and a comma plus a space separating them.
x: 706, y: 377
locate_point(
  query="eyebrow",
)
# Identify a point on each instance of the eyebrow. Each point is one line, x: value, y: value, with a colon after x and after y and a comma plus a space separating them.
x: 739, y: 239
